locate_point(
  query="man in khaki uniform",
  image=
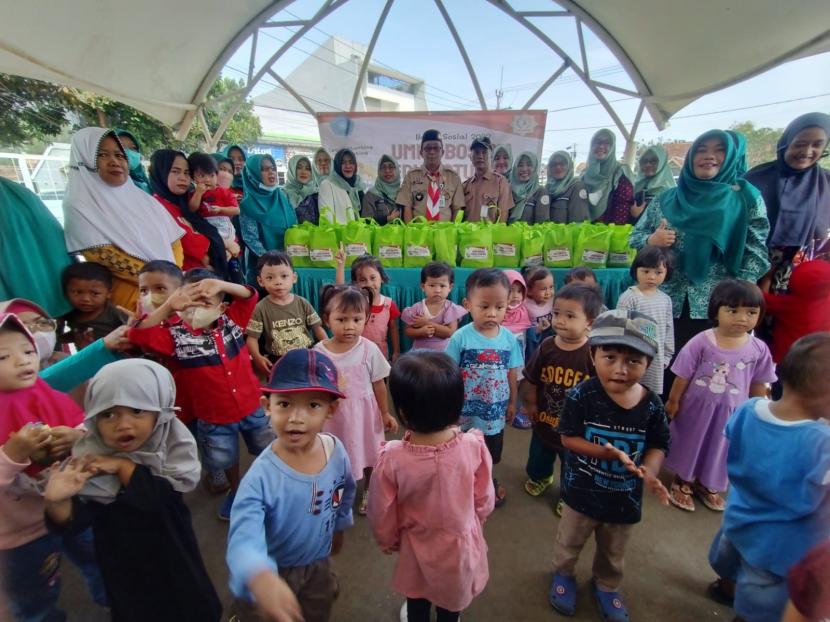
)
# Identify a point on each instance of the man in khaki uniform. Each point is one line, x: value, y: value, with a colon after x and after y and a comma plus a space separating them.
x: 486, y: 193
x: 431, y: 190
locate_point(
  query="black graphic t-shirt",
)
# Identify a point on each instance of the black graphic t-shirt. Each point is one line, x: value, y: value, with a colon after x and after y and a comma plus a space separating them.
x: 604, y: 490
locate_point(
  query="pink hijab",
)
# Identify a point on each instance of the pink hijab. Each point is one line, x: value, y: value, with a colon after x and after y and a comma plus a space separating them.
x: 517, y: 319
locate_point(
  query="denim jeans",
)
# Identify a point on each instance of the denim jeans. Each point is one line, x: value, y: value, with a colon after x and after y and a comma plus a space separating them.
x: 220, y: 442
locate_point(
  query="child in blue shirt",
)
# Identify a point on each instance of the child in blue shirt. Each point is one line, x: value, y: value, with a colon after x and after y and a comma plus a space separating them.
x: 295, y: 501
x: 489, y: 356
x: 779, y: 469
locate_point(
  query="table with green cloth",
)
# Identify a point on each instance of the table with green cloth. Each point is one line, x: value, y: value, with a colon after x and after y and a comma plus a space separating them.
x: 404, y: 286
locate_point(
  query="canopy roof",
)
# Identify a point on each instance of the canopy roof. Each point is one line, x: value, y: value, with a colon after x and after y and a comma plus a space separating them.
x: 162, y: 57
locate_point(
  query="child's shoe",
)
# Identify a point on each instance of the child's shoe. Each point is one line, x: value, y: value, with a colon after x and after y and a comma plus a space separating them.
x: 562, y: 594
x: 225, y: 511
x: 364, y: 504
x: 558, y: 509
x: 610, y: 605
x: 215, y: 482
x: 521, y: 420
x: 535, y: 487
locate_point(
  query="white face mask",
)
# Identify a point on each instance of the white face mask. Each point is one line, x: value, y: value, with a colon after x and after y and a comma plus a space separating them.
x: 45, y: 344
x: 267, y: 188
x: 201, y: 317
x: 152, y: 301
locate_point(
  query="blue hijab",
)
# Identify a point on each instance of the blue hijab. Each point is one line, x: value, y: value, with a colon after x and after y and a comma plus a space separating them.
x: 268, y: 206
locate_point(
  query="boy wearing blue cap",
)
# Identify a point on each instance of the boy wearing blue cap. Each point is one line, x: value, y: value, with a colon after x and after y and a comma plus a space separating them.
x: 617, y: 435
x: 295, y: 501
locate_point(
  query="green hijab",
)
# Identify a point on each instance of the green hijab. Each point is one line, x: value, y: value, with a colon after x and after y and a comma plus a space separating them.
x: 509, y: 151
x: 294, y: 188
x: 268, y: 206
x: 714, y: 213
x: 237, y: 179
x: 601, y: 176
x: 318, y: 176
x: 137, y: 173
x: 220, y: 157
x: 558, y: 187
x: 661, y: 180
x: 523, y: 190
x: 389, y: 189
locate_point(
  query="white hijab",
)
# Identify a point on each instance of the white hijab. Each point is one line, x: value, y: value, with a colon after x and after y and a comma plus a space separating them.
x: 96, y: 214
x: 170, y: 452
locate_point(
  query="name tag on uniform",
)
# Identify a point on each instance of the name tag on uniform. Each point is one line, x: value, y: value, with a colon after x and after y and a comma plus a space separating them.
x: 485, y: 212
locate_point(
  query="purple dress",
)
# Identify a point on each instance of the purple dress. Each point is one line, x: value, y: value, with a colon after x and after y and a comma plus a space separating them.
x: 719, y: 381
x: 450, y: 312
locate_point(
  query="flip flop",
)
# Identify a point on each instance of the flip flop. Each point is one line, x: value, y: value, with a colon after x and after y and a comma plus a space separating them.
x: 680, y: 496
x: 710, y: 498
x: 501, y: 493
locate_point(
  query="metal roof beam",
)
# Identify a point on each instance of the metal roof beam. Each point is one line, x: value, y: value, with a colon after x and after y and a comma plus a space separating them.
x: 290, y: 89
x: 545, y: 85
x: 463, y: 51
x: 369, y: 51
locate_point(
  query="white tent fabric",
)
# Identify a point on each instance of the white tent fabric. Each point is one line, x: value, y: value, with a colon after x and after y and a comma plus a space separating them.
x: 161, y: 56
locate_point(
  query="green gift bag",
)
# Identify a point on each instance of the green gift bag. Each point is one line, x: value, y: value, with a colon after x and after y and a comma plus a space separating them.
x: 297, y: 240
x: 475, y: 245
x: 507, y: 242
x: 389, y: 243
x: 323, y: 246
x: 591, y: 247
x: 620, y: 254
x: 356, y: 237
x: 533, y: 246
x: 558, y: 245
x: 418, y: 243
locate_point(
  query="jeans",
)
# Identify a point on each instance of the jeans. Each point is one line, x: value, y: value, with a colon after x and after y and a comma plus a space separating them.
x: 541, y: 458
x: 220, y: 442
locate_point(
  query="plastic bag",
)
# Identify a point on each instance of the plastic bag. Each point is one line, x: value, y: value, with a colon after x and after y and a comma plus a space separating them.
x: 620, y: 254
x: 507, y: 242
x: 389, y: 244
x: 356, y: 237
x: 533, y: 246
x: 323, y: 246
x: 475, y: 245
x: 417, y: 243
x: 445, y: 242
x: 592, y: 244
x: 558, y: 245
x: 297, y: 240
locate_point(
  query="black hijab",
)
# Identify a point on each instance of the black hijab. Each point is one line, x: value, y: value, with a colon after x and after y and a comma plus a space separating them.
x: 160, y: 165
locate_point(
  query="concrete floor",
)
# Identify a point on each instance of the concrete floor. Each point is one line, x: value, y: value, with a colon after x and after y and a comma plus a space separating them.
x: 666, y: 573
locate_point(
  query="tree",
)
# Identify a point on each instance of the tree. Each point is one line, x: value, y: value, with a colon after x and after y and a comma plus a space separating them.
x: 244, y: 129
x: 760, y: 142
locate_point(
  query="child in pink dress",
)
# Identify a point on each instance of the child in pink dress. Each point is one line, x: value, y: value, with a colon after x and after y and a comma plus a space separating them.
x: 432, y: 492
x: 363, y: 416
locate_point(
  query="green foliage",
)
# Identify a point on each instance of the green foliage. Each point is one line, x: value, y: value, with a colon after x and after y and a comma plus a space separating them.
x: 760, y: 141
x: 244, y: 129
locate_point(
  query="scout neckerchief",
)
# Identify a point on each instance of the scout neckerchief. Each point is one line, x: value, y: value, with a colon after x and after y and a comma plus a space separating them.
x: 434, y: 195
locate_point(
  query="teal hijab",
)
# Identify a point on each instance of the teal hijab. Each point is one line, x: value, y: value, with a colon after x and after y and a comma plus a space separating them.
x: 294, y: 188
x: 237, y: 179
x: 269, y: 207
x: 713, y: 213
x: 137, y: 172
x: 558, y: 187
x: 388, y: 189
x: 661, y: 180
x: 32, y: 250
x: 318, y: 176
x: 507, y: 149
x: 602, y: 176
x: 523, y: 190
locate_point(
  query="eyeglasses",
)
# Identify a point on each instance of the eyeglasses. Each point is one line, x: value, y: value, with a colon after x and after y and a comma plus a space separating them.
x: 41, y: 325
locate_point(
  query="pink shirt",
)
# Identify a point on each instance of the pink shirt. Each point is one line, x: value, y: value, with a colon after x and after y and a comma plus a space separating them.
x: 431, y: 503
x: 21, y: 511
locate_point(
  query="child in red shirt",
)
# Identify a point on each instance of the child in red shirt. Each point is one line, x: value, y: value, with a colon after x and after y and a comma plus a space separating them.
x: 216, y: 204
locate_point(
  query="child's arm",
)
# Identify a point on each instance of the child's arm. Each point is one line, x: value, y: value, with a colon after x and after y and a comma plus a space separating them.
x: 678, y: 387
x: 652, y: 461
x: 383, y: 510
x: 18, y: 450
x: 178, y: 301
x: 529, y: 399
x: 340, y: 267
x: 395, y: 337
x: 261, y: 363
x: 64, y: 483
x: 319, y: 332
x: 512, y: 381
x: 418, y: 333
x: 228, y: 210
x: 445, y: 331
x: 669, y: 345
x: 210, y: 288
x: 758, y: 389
x: 606, y: 452
x: 194, y: 201
x: 389, y: 422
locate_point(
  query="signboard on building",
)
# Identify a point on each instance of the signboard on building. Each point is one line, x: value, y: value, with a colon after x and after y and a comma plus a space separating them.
x: 278, y: 153
x: 373, y: 134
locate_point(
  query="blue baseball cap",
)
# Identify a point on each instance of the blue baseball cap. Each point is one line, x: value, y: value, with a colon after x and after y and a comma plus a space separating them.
x: 303, y: 370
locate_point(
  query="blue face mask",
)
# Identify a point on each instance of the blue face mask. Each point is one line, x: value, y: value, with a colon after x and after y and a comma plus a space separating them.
x: 267, y: 188
x: 133, y: 158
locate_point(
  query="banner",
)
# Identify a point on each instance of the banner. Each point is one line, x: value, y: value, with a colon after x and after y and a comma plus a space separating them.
x: 372, y: 134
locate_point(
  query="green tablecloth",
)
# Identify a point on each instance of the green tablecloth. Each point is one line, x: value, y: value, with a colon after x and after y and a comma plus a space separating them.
x: 404, y: 285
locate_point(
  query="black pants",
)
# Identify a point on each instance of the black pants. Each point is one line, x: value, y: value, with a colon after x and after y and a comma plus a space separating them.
x: 418, y: 609
x: 495, y: 444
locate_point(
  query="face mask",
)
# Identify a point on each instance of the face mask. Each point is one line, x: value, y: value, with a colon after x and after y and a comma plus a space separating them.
x: 201, y: 317
x: 152, y: 301
x: 133, y: 158
x: 45, y: 344
x: 267, y: 188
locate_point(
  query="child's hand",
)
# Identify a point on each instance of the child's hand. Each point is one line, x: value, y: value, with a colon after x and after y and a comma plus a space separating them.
x: 233, y: 248
x: 104, y: 465
x: 207, y: 289
x: 532, y: 413
x: 117, y: 340
x: 671, y: 408
x: 542, y: 324
x: 201, y: 188
x: 654, y: 485
x: 430, y: 328
x: 27, y: 441
x: 63, y: 438
x: 274, y: 598
x: 618, y: 454
x: 336, y: 542
x: 396, y: 355
x: 132, y: 316
x: 84, y: 338
x: 65, y: 482
x: 340, y: 256
x: 419, y: 321
x: 263, y: 365
x: 511, y: 412
x: 389, y: 423
x: 392, y: 549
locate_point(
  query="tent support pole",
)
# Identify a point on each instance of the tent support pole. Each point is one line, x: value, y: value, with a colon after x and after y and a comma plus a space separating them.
x: 463, y: 51
x: 369, y: 51
x: 631, y: 143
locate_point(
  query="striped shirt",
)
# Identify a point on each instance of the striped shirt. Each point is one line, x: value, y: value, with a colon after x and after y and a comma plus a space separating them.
x: 659, y: 308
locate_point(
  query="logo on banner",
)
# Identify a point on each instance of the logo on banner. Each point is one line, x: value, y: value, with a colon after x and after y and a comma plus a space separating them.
x: 524, y: 124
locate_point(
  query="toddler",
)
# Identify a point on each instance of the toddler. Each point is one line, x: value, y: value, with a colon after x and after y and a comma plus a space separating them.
x: 295, y: 501
x: 583, y: 274
x: 215, y: 203
x: 88, y: 288
x: 436, y: 470
x: 539, y: 304
x: 517, y: 321
x: 431, y: 322
x: 715, y: 371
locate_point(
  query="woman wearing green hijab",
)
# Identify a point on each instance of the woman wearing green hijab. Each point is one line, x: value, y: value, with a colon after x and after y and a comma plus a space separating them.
x: 300, y: 181
x: 610, y: 191
x: 379, y: 200
x: 133, y: 151
x: 524, y: 183
x: 502, y: 159
x: 265, y: 213
x: 563, y: 199
x: 654, y: 177
x: 238, y: 156
x: 714, y: 221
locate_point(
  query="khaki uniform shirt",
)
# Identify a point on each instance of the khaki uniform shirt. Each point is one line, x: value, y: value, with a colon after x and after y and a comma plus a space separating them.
x: 414, y: 188
x: 482, y: 194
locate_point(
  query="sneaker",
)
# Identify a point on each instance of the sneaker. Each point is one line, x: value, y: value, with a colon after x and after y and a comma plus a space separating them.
x: 522, y: 421
x: 404, y: 613
x: 215, y: 482
x: 562, y: 594
x: 225, y: 511
x: 364, y: 504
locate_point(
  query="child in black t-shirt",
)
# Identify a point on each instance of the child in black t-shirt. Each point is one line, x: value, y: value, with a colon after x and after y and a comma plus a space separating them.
x: 617, y: 435
x: 88, y: 288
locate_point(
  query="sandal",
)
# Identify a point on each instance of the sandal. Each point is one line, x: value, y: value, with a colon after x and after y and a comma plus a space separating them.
x: 562, y: 594
x: 363, y: 508
x: 710, y: 498
x: 610, y: 605
x: 501, y: 493
x: 718, y: 593
x: 681, y: 497
x: 535, y: 487
x: 558, y: 509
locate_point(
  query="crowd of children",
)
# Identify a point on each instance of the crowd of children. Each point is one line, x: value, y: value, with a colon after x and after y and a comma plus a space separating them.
x: 309, y: 392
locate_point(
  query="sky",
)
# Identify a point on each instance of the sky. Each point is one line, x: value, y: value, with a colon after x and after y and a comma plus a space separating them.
x: 416, y: 41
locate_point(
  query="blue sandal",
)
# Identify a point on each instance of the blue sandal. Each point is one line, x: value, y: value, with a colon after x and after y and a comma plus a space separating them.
x: 610, y: 605
x: 562, y: 594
